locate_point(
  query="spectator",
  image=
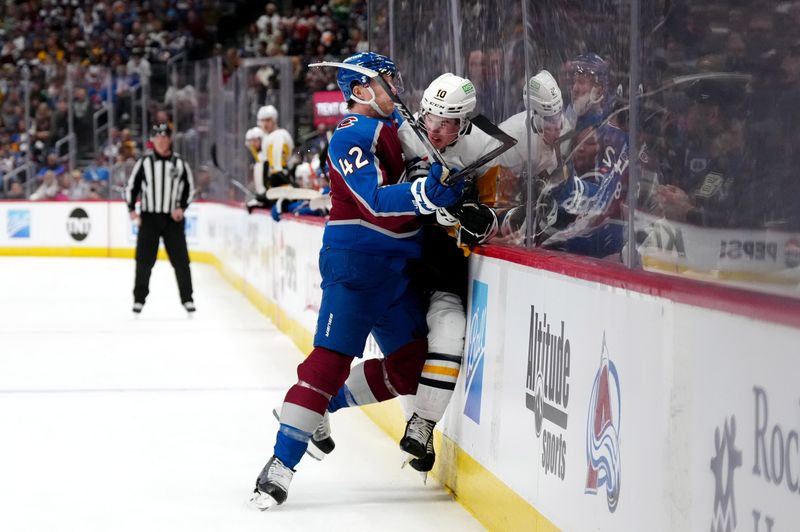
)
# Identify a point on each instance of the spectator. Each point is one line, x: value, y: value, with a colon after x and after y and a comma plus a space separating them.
x: 51, y: 165
x: 48, y: 189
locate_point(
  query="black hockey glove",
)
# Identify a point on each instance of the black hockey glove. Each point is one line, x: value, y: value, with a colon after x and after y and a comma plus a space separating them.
x: 416, y: 168
x: 278, y: 179
x: 478, y: 224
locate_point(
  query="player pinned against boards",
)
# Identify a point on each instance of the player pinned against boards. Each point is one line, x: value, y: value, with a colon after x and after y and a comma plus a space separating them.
x: 373, y: 231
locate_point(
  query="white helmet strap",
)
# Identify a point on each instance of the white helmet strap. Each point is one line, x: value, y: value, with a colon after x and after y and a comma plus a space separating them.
x: 371, y: 102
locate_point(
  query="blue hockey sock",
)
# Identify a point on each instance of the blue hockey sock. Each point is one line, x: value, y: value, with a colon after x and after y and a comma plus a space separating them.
x: 290, y: 445
x: 342, y: 399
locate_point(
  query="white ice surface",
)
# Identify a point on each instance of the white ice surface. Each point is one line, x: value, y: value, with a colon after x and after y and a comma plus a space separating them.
x: 162, y: 423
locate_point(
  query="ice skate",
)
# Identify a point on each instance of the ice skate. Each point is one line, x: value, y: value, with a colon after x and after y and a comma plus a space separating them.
x: 137, y: 308
x: 425, y: 464
x: 321, y: 439
x: 419, y: 432
x: 272, y: 485
x: 189, y: 307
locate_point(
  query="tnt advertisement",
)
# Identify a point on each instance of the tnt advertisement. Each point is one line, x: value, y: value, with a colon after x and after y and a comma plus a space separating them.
x: 329, y: 108
x: 54, y: 224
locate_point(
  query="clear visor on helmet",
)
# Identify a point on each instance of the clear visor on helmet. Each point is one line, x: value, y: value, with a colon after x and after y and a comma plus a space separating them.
x: 440, y: 124
x: 584, y: 73
x: 552, y: 121
x: 395, y: 81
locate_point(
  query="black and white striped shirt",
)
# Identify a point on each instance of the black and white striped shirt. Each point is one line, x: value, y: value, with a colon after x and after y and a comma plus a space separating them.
x: 165, y: 184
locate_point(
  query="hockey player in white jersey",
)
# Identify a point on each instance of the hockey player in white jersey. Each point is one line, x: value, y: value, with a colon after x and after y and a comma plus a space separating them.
x: 544, y: 104
x: 441, y: 272
x: 445, y: 108
x: 542, y: 97
x: 276, y: 150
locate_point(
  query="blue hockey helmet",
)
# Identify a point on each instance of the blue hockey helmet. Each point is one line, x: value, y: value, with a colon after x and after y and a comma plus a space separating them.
x: 377, y: 62
x: 590, y: 64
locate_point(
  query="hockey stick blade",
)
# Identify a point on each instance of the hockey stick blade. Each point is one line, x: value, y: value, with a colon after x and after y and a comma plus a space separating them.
x: 292, y: 193
x: 398, y: 103
x: 488, y: 127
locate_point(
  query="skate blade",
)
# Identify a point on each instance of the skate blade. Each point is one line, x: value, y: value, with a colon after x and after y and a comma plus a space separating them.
x: 314, y: 452
x: 407, y: 461
x: 262, y: 501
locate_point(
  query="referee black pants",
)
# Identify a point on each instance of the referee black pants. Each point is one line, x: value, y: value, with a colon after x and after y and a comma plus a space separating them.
x: 152, y: 229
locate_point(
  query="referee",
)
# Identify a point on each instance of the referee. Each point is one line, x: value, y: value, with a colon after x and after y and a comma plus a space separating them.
x: 166, y: 186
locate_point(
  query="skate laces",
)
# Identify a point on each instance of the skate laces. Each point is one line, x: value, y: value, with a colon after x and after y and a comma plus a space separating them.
x: 419, y: 429
x: 323, y: 430
x: 279, y: 474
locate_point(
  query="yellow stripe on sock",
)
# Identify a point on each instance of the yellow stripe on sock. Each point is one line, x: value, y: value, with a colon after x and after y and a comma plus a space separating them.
x: 439, y: 370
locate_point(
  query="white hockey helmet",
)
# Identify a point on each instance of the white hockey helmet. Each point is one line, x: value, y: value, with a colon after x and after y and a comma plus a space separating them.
x: 303, y: 174
x: 543, y: 97
x: 267, y: 112
x: 450, y: 96
x: 254, y: 133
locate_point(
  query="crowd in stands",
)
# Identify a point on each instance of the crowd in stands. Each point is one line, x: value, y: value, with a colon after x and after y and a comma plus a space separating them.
x: 326, y: 30
x: 113, y: 47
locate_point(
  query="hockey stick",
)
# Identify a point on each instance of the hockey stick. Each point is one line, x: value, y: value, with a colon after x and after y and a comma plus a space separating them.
x: 238, y: 184
x: 235, y: 182
x: 292, y: 193
x: 398, y: 103
x: 322, y: 202
x: 487, y: 126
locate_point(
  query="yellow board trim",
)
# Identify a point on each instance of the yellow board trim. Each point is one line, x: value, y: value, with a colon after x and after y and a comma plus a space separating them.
x: 487, y: 498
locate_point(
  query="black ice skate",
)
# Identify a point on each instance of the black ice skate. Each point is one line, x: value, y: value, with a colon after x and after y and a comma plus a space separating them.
x: 272, y: 485
x: 321, y: 439
x: 419, y: 432
x: 424, y: 464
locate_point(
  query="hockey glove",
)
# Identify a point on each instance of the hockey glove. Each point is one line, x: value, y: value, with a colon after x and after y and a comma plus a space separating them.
x: 280, y: 178
x: 478, y: 224
x: 416, y: 168
x: 429, y: 193
x: 445, y: 218
x: 278, y: 208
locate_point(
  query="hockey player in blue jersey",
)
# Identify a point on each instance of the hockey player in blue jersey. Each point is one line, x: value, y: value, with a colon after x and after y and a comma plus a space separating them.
x: 372, y: 233
x: 583, y: 213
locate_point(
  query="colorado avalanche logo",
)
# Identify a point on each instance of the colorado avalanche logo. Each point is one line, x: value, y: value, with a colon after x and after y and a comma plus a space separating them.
x: 347, y: 122
x: 602, y: 432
